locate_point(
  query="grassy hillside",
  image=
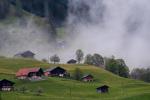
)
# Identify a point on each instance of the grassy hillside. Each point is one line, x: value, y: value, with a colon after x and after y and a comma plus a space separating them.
x: 67, y: 89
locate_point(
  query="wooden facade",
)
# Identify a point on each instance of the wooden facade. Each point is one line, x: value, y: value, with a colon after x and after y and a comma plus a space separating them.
x: 103, y: 89
x: 88, y: 78
x: 6, y: 85
x: 30, y: 73
x: 56, y: 71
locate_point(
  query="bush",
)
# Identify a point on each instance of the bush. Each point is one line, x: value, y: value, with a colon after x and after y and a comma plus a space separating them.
x: 39, y: 91
x: 23, y: 89
x: 77, y: 74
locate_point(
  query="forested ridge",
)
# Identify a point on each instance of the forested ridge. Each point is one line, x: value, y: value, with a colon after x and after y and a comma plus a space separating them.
x: 57, y: 8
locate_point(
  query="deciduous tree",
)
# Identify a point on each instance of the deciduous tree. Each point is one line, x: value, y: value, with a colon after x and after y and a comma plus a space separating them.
x: 55, y: 58
x: 79, y: 55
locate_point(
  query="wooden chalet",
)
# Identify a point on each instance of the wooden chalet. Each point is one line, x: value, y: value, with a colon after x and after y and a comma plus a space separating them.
x: 72, y: 61
x: 30, y: 73
x: 6, y: 85
x: 25, y: 54
x: 103, y: 89
x: 88, y: 78
x: 56, y: 71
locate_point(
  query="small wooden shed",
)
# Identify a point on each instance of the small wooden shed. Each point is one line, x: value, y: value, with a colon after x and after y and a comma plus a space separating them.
x: 88, y: 78
x: 72, y: 61
x: 25, y: 54
x: 6, y: 85
x: 103, y: 89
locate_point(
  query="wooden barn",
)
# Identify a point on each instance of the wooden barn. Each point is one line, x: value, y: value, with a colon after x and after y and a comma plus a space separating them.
x: 103, y: 89
x: 30, y: 73
x: 25, y: 54
x: 56, y: 71
x: 72, y: 61
x: 88, y: 78
x: 6, y: 85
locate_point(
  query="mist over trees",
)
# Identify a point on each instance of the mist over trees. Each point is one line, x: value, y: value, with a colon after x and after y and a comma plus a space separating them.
x: 4, y: 8
x: 141, y: 74
x: 58, y: 8
x: 18, y: 8
x: 55, y: 59
x: 54, y: 11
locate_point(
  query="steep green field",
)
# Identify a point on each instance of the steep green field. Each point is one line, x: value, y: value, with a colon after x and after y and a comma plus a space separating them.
x: 68, y: 89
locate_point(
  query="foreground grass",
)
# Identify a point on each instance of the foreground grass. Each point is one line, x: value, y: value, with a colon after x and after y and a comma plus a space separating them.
x: 68, y: 89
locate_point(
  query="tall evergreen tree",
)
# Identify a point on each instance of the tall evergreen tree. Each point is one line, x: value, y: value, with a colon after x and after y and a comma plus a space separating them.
x: 18, y: 8
x: 4, y: 8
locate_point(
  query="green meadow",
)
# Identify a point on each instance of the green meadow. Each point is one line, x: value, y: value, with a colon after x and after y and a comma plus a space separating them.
x: 68, y: 89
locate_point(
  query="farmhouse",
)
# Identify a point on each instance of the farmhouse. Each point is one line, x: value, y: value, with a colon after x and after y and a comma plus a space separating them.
x: 87, y: 78
x: 103, y: 89
x: 30, y: 73
x: 25, y: 54
x: 6, y: 85
x: 72, y: 61
x: 56, y: 71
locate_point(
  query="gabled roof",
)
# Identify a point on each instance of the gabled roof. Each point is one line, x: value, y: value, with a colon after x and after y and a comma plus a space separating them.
x: 26, y: 71
x: 25, y: 53
x: 88, y: 75
x: 102, y: 87
x: 72, y: 61
x: 5, y: 80
x: 53, y: 68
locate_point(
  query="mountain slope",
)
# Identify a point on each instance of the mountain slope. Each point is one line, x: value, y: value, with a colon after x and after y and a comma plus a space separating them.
x: 68, y: 89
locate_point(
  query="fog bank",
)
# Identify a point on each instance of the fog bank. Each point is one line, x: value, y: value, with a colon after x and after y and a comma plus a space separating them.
x: 108, y: 27
x: 112, y: 27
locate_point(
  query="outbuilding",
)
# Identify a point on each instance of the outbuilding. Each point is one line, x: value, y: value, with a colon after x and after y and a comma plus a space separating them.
x: 72, y: 61
x: 88, y: 78
x: 25, y: 54
x: 103, y: 89
x: 6, y: 85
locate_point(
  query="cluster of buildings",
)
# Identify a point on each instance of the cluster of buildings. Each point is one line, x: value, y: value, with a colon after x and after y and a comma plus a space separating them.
x: 35, y: 74
x: 38, y: 73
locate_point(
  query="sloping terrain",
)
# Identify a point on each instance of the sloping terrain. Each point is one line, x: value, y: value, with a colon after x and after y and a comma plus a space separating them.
x: 68, y: 89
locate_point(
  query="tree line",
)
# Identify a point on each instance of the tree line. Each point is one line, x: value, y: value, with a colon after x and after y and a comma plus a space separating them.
x: 141, y: 74
x: 57, y: 8
x: 4, y: 8
x: 116, y: 66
